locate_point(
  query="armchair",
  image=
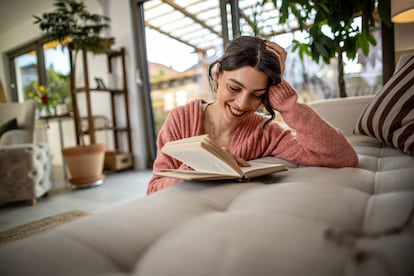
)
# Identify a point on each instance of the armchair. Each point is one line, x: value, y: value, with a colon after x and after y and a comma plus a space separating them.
x: 25, y: 168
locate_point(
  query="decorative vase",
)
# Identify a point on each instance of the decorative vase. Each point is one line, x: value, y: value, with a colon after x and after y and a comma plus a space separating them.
x: 46, y: 110
x: 85, y: 165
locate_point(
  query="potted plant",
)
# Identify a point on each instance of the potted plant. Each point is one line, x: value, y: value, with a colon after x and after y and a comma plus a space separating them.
x: 75, y: 27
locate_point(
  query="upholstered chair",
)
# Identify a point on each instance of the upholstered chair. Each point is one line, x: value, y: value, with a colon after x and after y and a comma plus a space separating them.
x: 25, y: 168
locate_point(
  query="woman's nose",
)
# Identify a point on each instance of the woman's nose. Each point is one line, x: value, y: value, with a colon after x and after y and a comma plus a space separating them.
x: 243, y: 100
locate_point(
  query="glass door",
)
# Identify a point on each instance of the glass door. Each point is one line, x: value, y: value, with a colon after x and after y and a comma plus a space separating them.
x: 182, y: 38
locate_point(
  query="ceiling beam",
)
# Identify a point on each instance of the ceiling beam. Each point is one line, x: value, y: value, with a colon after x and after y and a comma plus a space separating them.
x: 245, y: 17
x: 149, y: 25
x: 190, y: 15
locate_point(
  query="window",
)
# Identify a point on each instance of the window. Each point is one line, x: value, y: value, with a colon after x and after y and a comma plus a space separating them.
x: 40, y: 63
x: 25, y: 74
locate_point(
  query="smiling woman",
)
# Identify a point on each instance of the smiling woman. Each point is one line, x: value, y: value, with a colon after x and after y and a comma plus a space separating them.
x: 249, y: 74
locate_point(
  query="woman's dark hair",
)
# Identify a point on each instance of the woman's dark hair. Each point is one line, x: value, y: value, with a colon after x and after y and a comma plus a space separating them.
x: 249, y: 51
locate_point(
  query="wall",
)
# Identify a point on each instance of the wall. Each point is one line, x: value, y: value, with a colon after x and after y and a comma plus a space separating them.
x: 404, y: 37
x: 404, y: 42
x: 119, y: 11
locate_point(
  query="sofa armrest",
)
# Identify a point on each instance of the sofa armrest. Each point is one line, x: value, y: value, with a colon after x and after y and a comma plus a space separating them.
x: 342, y: 113
x: 16, y: 136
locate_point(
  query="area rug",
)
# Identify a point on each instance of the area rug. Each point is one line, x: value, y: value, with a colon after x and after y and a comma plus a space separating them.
x: 38, y: 226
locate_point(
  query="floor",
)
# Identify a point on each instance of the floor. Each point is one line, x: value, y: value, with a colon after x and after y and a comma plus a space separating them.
x: 116, y: 189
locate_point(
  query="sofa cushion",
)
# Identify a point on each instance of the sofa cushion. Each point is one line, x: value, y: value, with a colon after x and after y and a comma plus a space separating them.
x: 9, y: 125
x: 389, y: 117
x: 304, y: 221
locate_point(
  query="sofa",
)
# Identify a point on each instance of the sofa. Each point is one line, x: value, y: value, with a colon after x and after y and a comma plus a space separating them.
x: 303, y: 221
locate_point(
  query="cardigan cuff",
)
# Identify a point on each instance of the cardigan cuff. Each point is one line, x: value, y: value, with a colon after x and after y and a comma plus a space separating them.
x: 282, y: 96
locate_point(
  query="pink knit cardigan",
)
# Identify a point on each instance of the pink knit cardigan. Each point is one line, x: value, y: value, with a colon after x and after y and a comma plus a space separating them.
x: 310, y: 141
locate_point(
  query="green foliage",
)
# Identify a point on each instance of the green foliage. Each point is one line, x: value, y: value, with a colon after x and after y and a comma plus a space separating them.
x: 58, y: 88
x: 60, y: 82
x: 71, y: 23
x: 337, y: 16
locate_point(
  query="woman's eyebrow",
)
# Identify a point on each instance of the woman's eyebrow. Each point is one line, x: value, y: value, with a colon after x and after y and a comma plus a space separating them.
x: 242, y: 85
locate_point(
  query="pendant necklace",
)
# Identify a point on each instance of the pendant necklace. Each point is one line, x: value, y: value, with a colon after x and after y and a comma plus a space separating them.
x: 213, y: 132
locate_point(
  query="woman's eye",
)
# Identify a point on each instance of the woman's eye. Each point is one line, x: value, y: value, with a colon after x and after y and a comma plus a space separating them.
x: 234, y: 88
x: 258, y: 96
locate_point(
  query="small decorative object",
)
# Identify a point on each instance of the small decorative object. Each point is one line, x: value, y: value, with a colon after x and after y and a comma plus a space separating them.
x: 61, y: 109
x: 113, y: 81
x: 46, y: 97
x: 99, y: 83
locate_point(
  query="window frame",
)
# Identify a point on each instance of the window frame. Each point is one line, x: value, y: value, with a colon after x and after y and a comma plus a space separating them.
x: 36, y: 46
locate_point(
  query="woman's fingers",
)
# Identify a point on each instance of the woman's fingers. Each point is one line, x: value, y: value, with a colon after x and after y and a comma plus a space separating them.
x: 240, y: 161
x: 279, y: 51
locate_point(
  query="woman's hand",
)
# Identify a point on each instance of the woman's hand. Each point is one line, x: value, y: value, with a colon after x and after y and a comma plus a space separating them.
x: 240, y: 161
x: 279, y: 52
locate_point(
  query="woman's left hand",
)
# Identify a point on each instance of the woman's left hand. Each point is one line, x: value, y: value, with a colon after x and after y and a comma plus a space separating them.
x: 280, y: 53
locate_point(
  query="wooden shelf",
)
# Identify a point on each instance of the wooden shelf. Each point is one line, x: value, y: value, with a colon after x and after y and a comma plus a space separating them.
x: 118, y: 130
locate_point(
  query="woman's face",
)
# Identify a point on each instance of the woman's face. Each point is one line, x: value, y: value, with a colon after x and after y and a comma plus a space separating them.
x: 240, y: 92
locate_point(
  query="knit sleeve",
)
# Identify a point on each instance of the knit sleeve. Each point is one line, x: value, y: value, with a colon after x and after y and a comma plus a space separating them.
x: 312, y: 141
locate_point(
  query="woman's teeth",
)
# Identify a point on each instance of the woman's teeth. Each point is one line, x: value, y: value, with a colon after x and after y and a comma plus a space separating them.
x: 236, y: 112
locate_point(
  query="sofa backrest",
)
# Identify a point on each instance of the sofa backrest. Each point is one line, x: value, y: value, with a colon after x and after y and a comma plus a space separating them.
x: 342, y: 113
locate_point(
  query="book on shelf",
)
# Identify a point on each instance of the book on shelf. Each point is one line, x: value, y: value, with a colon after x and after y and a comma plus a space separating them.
x: 209, y: 161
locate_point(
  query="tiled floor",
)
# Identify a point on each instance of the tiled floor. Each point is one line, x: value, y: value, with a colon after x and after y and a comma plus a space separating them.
x: 117, y: 188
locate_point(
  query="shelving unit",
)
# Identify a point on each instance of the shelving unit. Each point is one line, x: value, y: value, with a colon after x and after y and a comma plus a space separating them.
x: 119, y: 131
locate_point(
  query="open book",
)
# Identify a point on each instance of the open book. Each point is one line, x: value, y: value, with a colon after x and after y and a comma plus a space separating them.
x: 210, y: 161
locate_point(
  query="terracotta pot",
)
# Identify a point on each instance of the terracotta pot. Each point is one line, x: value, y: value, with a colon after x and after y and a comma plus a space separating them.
x: 85, y: 164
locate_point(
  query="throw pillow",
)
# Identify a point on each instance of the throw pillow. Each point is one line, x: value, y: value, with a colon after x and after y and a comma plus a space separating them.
x: 389, y: 117
x: 9, y: 125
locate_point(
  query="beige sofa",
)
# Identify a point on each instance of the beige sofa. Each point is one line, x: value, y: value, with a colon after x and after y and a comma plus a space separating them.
x: 304, y: 221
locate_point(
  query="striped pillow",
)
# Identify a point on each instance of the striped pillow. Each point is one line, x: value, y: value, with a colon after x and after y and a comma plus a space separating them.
x: 389, y: 117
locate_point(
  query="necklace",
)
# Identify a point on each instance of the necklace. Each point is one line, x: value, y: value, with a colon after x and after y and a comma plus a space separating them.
x: 213, y: 131
x: 212, y: 128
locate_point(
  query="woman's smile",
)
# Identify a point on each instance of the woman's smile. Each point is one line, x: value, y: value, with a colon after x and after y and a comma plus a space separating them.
x: 235, y: 112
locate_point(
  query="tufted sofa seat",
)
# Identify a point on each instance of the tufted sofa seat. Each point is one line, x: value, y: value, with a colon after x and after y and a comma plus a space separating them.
x: 304, y: 221
x: 25, y: 172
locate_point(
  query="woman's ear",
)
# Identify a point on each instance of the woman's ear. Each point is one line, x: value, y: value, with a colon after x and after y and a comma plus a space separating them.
x: 216, y: 71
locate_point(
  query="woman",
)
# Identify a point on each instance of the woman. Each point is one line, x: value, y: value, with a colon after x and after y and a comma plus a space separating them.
x: 248, y: 75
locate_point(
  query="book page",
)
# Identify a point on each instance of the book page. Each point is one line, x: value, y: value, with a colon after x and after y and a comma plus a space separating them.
x: 195, y: 175
x: 258, y: 169
x: 198, y: 153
